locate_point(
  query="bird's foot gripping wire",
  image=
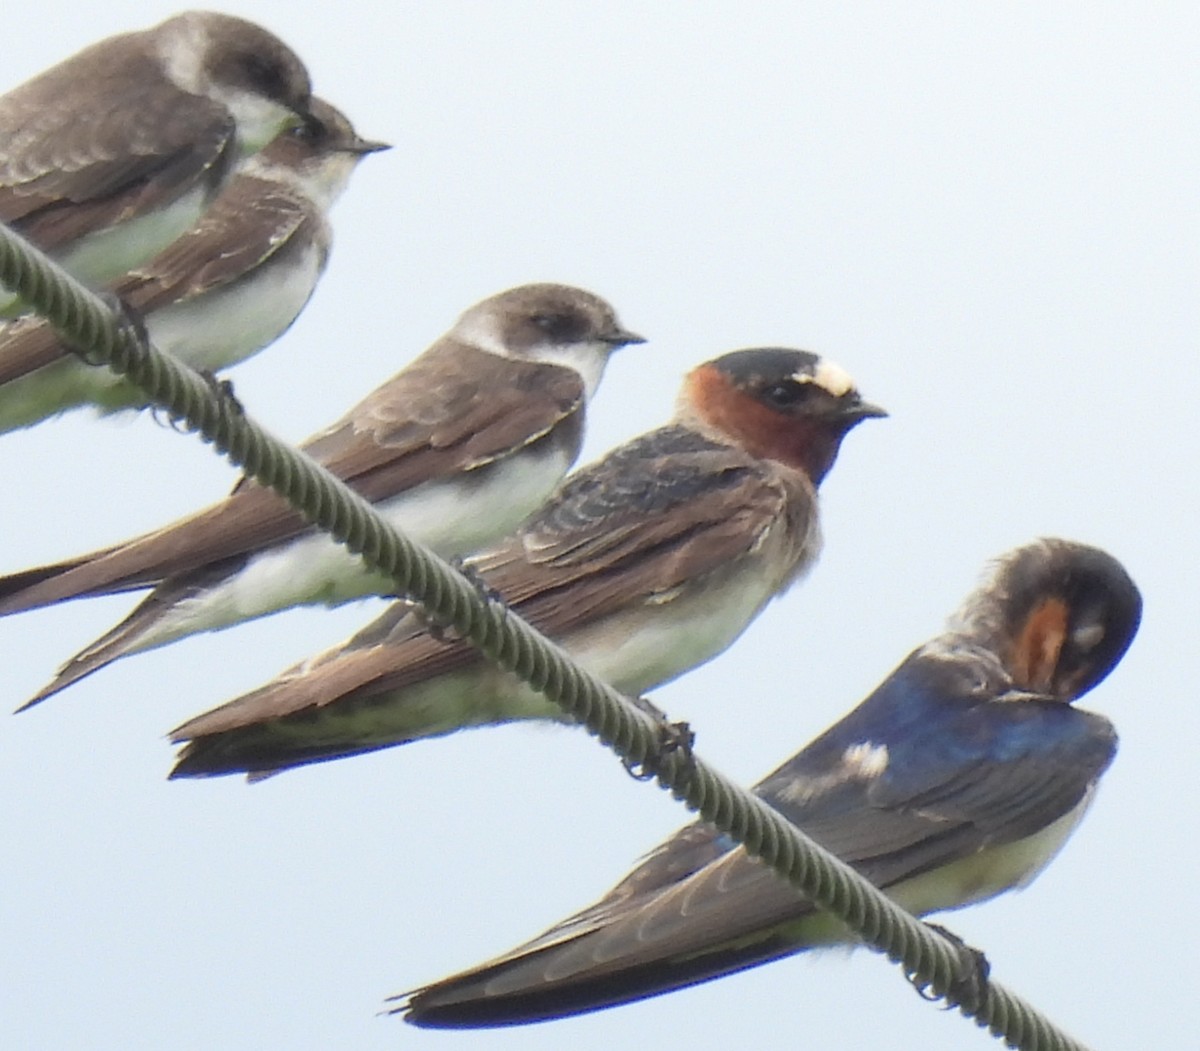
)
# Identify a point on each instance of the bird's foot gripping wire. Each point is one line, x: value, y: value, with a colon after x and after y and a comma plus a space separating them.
x: 674, y: 738
x: 442, y: 631
x: 969, y: 986
x: 130, y: 322
x: 479, y: 582
x: 223, y: 389
x: 132, y: 350
x: 438, y: 630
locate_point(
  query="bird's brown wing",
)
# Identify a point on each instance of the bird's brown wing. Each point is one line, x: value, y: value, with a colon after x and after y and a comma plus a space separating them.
x: 452, y: 410
x: 658, y: 514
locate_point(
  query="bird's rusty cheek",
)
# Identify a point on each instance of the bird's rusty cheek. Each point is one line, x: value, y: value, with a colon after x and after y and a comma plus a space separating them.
x: 808, y: 444
x: 1038, y: 645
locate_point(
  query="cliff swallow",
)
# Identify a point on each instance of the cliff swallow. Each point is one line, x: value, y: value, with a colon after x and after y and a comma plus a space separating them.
x: 643, y: 565
x: 456, y: 450
x: 960, y: 777
x: 109, y: 156
x: 228, y: 287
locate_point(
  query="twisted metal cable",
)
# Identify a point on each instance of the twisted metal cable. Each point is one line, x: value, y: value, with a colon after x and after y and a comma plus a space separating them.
x: 933, y: 963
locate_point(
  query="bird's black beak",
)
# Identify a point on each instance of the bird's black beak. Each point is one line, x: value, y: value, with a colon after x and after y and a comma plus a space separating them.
x: 368, y: 146
x: 622, y: 338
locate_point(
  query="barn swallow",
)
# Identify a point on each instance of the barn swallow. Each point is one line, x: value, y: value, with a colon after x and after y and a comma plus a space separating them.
x: 109, y: 156
x: 455, y: 450
x: 230, y: 286
x: 959, y: 777
x: 643, y: 565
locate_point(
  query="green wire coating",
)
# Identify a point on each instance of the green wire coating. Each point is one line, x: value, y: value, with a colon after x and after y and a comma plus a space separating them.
x: 932, y: 962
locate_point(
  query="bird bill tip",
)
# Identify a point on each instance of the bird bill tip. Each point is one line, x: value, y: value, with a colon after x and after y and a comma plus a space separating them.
x: 624, y: 338
x: 868, y: 410
x: 365, y: 146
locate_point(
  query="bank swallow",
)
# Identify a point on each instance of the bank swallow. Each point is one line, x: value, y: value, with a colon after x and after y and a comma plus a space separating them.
x: 643, y: 565
x: 109, y: 156
x: 224, y: 290
x: 455, y: 450
x: 960, y: 777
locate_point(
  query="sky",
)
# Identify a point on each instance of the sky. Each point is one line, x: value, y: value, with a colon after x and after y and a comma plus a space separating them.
x: 986, y: 214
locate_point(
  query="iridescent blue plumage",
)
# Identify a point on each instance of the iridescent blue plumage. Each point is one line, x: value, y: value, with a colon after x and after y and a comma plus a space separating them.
x: 959, y: 777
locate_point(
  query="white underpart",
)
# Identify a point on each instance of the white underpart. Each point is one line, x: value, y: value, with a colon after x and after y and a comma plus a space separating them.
x: 449, y: 517
x: 100, y: 257
x: 634, y: 651
x: 990, y: 871
x: 211, y: 332
x: 659, y: 641
x: 973, y: 879
x: 232, y: 323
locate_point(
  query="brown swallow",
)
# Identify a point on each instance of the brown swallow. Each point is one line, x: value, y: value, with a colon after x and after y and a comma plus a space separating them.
x: 455, y: 450
x: 228, y: 287
x: 643, y: 565
x: 109, y: 156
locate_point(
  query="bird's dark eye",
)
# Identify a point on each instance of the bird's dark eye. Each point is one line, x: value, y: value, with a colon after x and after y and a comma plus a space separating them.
x: 785, y: 393
x: 562, y: 328
x: 310, y: 131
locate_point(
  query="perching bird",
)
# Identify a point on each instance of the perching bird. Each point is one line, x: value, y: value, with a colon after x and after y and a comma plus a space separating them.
x: 960, y: 777
x: 456, y: 450
x: 109, y: 156
x: 643, y: 565
x: 225, y: 289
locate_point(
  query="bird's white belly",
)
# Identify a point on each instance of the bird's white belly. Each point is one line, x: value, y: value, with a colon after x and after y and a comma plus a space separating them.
x: 213, y: 332
x: 964, y: 882
x: 230, y: 324
x: 652, y: 642
x: 102, y: 256
x: 450, y: 517
x: 990, y: 871
x: 633, y: 652
x: 657, y: 642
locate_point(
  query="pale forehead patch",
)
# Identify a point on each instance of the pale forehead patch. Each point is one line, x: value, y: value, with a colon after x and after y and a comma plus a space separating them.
x: 828, y: 376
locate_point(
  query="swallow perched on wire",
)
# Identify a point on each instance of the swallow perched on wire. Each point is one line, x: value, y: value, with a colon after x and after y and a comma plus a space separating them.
x: 456, y: 450
x: 958, y: 778
x: 643, y: 565
x: 109, y: 156
x: 228, y: 287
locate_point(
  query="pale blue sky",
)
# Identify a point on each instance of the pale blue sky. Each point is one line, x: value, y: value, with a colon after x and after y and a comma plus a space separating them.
x: 988, y: 217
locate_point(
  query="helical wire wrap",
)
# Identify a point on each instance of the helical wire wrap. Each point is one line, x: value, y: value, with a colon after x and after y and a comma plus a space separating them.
x: 933, y: 963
